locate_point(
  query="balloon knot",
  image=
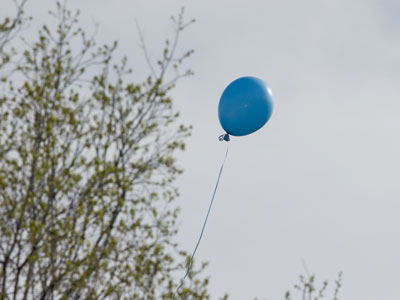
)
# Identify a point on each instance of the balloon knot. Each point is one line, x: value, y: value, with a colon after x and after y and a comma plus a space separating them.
x: 224, y: 137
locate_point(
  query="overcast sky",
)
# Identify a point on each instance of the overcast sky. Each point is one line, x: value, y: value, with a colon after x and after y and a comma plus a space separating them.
x: 321, y: 181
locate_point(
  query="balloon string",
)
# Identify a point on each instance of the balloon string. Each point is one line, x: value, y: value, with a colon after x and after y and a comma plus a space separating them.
x: 204, y: 224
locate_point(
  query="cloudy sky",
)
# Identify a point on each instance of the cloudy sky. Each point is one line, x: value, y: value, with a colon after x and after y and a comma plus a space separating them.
x: 321, y: 181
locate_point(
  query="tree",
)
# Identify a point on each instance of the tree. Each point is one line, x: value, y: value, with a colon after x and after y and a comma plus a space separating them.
x: 9, y: 28
x: 309, y: 290
x: 87, y: 170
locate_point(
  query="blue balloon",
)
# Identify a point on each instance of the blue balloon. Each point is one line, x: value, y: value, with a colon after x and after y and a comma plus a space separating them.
x: 245, y: 106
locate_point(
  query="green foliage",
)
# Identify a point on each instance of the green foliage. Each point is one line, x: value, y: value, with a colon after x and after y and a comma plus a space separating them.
x: 87, y: 165
x: 9, y: 28
x: 308, y: 289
